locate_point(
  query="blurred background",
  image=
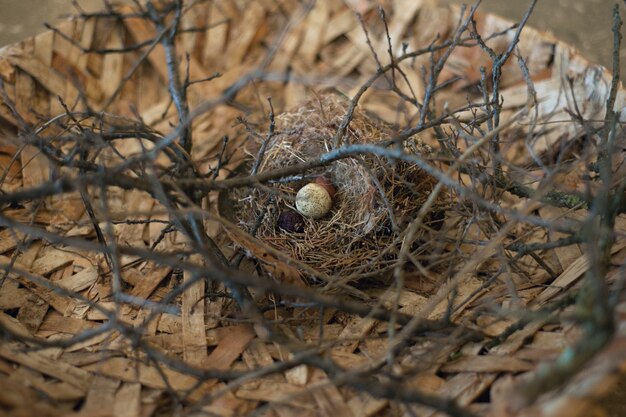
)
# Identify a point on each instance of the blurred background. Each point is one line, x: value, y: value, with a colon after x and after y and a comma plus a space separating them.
x: 583, y: 23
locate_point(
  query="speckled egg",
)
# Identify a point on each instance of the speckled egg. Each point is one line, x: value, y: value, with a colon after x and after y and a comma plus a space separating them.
x: 314, y: 201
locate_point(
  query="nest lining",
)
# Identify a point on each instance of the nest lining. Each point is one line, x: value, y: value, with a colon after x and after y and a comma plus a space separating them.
x: 375, y: 197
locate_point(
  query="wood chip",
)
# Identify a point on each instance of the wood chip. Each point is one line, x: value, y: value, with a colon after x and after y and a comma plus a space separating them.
x: 487, y: 364
x: 128, y: 401
x: 194, y: 332
x: 76, y: 377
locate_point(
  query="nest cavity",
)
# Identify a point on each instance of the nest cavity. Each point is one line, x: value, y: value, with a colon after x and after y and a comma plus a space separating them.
x: 376, y: 197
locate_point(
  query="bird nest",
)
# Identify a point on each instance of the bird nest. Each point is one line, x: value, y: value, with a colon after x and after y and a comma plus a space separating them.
x: 361, y: 236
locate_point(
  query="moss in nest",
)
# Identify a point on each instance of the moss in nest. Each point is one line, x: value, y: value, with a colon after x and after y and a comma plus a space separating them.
x: 375, y: 198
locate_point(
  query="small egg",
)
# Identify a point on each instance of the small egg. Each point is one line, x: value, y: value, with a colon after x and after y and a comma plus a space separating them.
x: 314, y: 201
x: 291, y: 221
x: 326, y: 183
